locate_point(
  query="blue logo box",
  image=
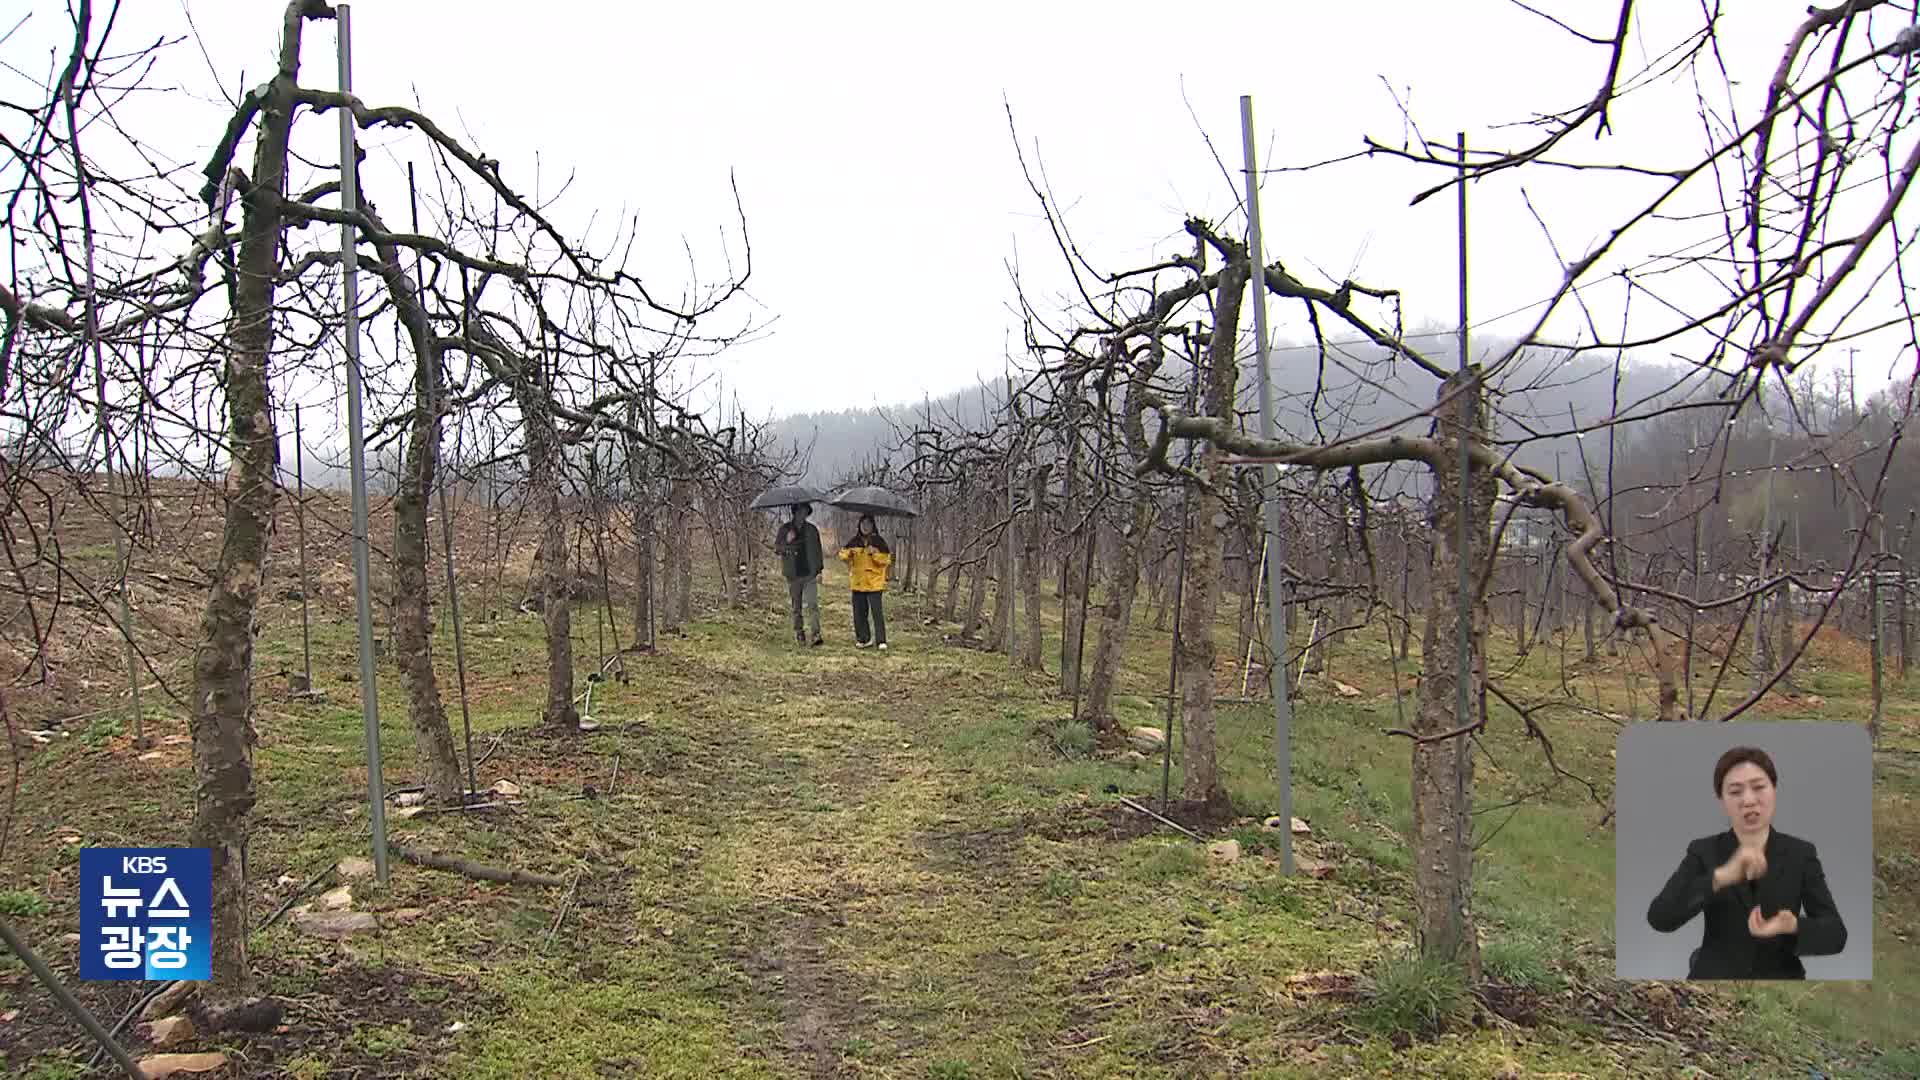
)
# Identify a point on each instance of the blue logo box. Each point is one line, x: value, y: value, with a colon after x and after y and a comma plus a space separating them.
x: 146, y: 913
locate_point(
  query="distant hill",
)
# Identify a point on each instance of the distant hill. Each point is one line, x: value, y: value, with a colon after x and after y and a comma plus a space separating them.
x: 1358, y: 390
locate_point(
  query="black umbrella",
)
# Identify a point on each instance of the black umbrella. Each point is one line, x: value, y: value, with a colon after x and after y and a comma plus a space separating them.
x: 785, y: 495
x: 877, y: 501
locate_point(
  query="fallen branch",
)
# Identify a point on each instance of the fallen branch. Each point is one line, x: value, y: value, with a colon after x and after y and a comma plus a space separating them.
x: 473, y: 869
x: 1158, y: 817
x: 566, y: 905
x: 303, y: 890
x: 427, y: 811
x: 66, y: 1001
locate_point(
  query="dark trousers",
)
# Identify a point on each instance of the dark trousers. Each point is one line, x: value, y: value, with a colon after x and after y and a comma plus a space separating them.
x: 866, y: 606
x: 804, y: 595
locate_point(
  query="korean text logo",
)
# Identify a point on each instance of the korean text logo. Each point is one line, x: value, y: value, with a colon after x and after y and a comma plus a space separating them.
x: 146, y: 913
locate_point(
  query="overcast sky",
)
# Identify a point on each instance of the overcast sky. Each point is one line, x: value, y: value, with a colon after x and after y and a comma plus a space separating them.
x: 871, y: 147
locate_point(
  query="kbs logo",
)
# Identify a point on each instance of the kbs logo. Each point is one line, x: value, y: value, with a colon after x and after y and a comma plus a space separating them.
x: 145, y: 913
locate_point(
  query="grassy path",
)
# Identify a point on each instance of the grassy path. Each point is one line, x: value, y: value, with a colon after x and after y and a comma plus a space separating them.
x: 830, y: 863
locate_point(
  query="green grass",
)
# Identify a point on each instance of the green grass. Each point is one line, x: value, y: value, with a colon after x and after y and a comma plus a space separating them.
x: 1413, y: 996
x: 19, y: 903
x: 906, y: 866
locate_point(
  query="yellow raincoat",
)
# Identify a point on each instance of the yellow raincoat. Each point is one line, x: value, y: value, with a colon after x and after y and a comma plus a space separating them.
x: 867, y: 567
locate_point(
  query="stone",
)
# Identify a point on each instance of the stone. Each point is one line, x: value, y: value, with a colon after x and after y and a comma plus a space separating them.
x: 168, y: 1001
x: 161, y: 1066
x: 1224, y: 851
x: 1311, y: 867
x: 335, y: 924
x: 169, y: 1032
x: 1147, y: 739
x: 1345, y: 690
x: 354, y: 867
x: 402, y: 916
x: 505, y: 787
x: 336, y: 899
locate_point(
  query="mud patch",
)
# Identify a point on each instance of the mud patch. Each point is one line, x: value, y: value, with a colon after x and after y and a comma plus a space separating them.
x: 352, y: 1022
x: 816, y: 1010
x: 1514, y: 1004
x: 1119, y: 822
x: 960, y: 848
x: 369, y: 1022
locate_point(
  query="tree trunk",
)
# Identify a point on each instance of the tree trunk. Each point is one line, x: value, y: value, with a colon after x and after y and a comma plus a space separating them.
x: 976, y: 602
x: 556, y: 603
x: 1158, y: 593
x: 726, y: 557
x: 952, y: 605
x: 912, y: 560
x: 1587, y: 605
x: 1406, y: 601
x: 439, y: 760
x: 1247, y: 582
x: 1115, y: 610
x: 677, y: 592
x: 221, y: 719
x: 1075, y: 606
x: 1443, y: 767
x: 1199, y: 760
x: 1031, y: 565
x: 683, y: 559
x: 644, y: 556
x: 1002, y: 626
x: 1783, y: 605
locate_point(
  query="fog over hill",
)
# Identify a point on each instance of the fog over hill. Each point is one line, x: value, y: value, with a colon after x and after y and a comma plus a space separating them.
x: 1358, y: 388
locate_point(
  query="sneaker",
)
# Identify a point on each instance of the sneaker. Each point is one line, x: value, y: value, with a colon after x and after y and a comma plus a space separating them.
x: 862, y: 644
x: 883, y: 646
x: 819, y: 641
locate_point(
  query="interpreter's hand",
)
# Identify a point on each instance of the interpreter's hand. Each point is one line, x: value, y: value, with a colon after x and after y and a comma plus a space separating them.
x: 1745, y: 864
x: 1783, y: 921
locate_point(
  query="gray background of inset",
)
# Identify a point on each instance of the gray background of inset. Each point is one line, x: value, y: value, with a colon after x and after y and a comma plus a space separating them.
x: 1663, y: 799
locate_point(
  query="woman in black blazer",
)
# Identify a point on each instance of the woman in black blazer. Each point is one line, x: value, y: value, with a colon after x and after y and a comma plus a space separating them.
x: 1764, y: 895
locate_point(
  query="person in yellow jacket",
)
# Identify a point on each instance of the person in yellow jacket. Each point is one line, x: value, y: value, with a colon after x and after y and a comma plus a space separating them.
x: 868, y: 557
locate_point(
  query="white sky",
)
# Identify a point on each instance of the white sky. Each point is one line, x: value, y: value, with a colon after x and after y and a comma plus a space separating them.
x: 872, y: 151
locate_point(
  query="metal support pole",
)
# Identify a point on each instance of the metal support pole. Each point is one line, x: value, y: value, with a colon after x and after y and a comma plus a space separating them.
x: 1463, y: 701
x: 1013, y: 537
x: 1762, y: 668
x: 300, y: 527
x: 357, y: 451
x: 1270, y: 505
x: 1086, y: 580
x: 1876, y: 638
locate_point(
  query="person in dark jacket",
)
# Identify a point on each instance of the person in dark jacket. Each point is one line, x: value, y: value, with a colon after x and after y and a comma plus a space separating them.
x: 798, y: 543
x: 867, y: 557
x: 1762, y: 891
